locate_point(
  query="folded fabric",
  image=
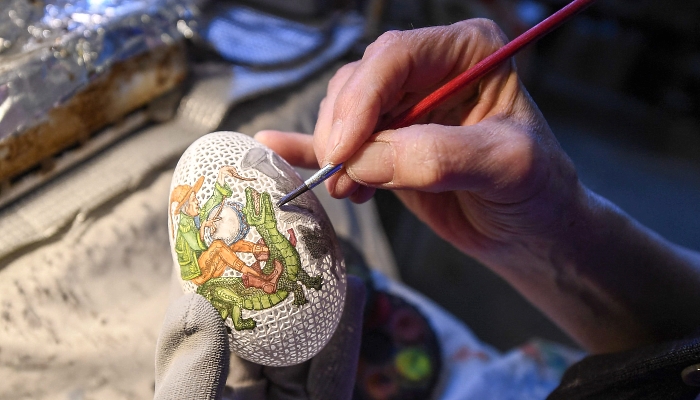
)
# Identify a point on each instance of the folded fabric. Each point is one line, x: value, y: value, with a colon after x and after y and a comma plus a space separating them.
x: 267, y: 52
x: 246, y: 36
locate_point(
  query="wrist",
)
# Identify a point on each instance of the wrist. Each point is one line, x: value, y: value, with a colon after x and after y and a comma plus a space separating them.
x: 600, y: 279
x: 571, y: 218
x: 580, y: 275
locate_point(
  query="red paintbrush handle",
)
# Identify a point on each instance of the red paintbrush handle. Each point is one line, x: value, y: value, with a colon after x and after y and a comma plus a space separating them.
x: 487, y: 64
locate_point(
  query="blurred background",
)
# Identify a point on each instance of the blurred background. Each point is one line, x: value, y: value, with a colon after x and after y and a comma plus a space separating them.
x: 82, y: 273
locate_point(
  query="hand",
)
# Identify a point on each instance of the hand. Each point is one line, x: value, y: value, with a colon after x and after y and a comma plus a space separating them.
x: 483, y: 170
x: 193, y: 358
x: 211, y: 224
x: 486, y: 173
x: 192, y: 352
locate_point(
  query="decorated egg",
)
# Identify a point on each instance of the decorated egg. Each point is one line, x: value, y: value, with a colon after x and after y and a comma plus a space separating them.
x: 275, y: 274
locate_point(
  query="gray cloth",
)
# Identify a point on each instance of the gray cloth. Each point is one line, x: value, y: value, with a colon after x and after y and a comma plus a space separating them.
x: 192, y: 351
x: 192, y: 358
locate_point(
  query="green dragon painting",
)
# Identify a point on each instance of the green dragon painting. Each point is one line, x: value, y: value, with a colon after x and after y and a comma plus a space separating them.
x: 230, y: 295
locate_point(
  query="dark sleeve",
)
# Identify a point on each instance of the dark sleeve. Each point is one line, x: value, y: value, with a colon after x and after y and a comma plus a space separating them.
x: 654, y: 373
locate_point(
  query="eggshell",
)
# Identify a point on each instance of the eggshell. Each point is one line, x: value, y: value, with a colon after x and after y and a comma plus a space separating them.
x: 276, y: 275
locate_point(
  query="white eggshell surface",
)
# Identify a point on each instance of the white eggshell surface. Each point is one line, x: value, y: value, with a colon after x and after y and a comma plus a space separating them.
x: 278, y: 312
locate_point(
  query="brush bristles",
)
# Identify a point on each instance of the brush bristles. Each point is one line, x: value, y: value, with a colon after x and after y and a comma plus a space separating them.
x: 292, y: 195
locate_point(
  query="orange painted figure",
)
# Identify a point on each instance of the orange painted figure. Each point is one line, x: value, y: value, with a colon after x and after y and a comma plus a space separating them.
x: 199, y: 262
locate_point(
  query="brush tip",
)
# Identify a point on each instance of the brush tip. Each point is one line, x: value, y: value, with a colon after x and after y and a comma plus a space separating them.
x: 292, y: 195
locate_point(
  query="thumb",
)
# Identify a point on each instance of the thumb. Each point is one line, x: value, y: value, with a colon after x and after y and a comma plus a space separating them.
x: 437, y: 158
x: 192, y: 353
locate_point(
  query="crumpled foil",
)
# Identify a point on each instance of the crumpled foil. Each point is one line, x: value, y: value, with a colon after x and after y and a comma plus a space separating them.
x: 50, y: 49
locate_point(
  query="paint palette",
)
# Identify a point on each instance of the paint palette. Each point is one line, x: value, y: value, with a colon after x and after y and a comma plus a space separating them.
x: 275, y: 274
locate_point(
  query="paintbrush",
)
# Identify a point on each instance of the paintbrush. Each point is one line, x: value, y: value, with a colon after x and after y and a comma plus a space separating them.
x: 455, y: 85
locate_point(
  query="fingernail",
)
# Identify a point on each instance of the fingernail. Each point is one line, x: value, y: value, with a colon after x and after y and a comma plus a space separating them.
x: 334, y: 138
x: 372, y: 164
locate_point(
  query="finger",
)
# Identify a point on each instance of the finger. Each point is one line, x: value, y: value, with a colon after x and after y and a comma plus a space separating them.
x: 340, y: 185
x: 324, y: 123
x: 396, y: 71
x: 332, y: 372
x: 296, y: 148
x: 362, y: 194
x: 401, y: 62
x: 323, y: 130
x: 494, y: 155
x: 192, y: 353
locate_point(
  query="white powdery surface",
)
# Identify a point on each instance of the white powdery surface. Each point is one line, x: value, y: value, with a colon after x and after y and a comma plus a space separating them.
x: 79, y: 317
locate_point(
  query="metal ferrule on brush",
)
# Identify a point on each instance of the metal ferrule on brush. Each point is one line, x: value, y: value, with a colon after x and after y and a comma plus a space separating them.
x: 310, y: 183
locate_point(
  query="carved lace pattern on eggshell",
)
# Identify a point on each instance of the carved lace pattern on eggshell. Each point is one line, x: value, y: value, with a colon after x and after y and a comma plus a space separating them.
x: 313, y: 323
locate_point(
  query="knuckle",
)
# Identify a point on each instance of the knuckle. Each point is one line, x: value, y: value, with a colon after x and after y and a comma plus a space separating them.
x: 520, y: 155
x: 346, y: 70
x: 489, y: 30
x: 389, y: 39
x: 340, y: 77
x: 323, y: 104
x: 334, y: 83
x: 319, y: 145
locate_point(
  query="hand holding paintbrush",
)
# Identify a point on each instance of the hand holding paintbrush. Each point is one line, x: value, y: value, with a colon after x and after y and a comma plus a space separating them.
x: 482, y: 136
x: 449, y: 89
x: 485, y: 172
x: 482, y: 169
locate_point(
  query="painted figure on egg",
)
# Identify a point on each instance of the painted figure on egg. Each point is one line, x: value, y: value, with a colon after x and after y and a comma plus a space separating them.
x: 199, y: 262
x: 224, y: 223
